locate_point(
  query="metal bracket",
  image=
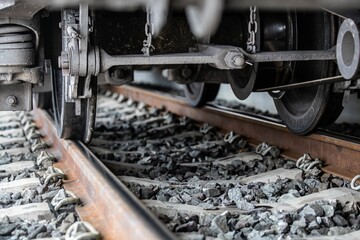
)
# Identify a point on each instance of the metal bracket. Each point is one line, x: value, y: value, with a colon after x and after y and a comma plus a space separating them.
x: 45, y: 86
x: 74, y: 58
x: 16, y: 97
x: 18, y: 74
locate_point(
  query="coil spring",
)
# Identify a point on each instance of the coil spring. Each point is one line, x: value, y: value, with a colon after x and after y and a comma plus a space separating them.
x: 15, y: 37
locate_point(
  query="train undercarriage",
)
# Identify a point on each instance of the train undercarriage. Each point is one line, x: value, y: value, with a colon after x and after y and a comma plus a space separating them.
x: 304, y: 54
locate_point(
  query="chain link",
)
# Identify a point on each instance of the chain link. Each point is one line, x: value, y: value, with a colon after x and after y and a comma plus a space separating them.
x: 252, y: 28
x: 149, y: 31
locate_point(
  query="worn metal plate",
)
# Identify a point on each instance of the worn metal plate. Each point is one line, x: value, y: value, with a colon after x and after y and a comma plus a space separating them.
x: 23, y: 94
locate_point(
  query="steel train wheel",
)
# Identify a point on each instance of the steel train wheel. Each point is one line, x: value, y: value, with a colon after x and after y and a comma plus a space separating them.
x: 304, y: 109
x: 69, y: 124
x: 42, y: 100
x: 199, y: 93
x: 242, y: 82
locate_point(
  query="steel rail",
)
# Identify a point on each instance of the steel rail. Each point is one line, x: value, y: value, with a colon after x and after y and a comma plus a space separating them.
x: 341, y: 157
x: 106, y: 202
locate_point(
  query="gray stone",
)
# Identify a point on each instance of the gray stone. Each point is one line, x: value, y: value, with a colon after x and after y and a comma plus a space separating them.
x: 312, y: 183
x: 146, y: 192
x: 206, y: 231
x: 319, y: 211
x: 43, y: 234
x: 175, y: 199
x: 262, y: 226
x: 21, y: 175
x: 4, y: 220
x: 308, y: 213
x: 234, y: 194
x: 340, y: 221
x: 49, y: 195
x: 301, y: 223
x: 208, y: 206
x: 327, y: 222
x: 349, y: 207
x: 67, y: 222
x: 186, y: 197
x: 318, y: 220
x: 226, y: 236
x: 28, y: 193
x: 56, y: 234
x: 243, y: 205
x: 6, y: 229
x: 16, y: 195
x: 37, y: 199
x: 5, y: 161
x: 328, y: 210
x: 313, y: 225
x: 41, y: 189
x: 270, y: 189
x: 249, y: 197
x: 282, y: 227
x: 36, y: 231
x: 353, y: 221
x: 211, y: 192
x: 163, y: 198
x: 199, y: 196
x: 189, y: 175
x: 286, y: 197
x: 294, y: 192
x: 334, y: 231
x: 338, y: 182
x: 71, y: 217
x: 243, y: 221
x: 264, y: 215
x: 320, y: 231
x: 49, y: 228
x: 186, y: 227
x: 5, y: 198
x: 254, y: 234
x: 219, y: 223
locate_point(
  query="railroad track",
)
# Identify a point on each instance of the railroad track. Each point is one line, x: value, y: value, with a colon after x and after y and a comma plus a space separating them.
x: 56, y: 189
x: 33, y: 203
x: 220, y: 184
x: 200, y: 180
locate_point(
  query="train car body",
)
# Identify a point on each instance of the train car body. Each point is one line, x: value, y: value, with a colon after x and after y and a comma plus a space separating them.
x: 305, y: 54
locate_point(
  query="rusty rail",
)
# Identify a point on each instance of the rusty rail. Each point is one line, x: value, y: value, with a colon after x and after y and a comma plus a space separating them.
x: 106, y: 203
x: 341, y: 157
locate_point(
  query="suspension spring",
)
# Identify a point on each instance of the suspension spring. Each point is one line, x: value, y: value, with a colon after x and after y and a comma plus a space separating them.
x: 15, y: 37
x: 16, y: 46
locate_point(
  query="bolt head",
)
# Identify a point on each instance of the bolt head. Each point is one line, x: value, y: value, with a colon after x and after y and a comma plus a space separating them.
x: 119, y: 73
x: 11, y: 101
x: 64, y: 60
x: 238, y: 61
x: 186, y: 73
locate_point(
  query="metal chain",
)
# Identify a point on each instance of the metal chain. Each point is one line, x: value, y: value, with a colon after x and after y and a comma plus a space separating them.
x: 149, y: 31
x: 252, y: 28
